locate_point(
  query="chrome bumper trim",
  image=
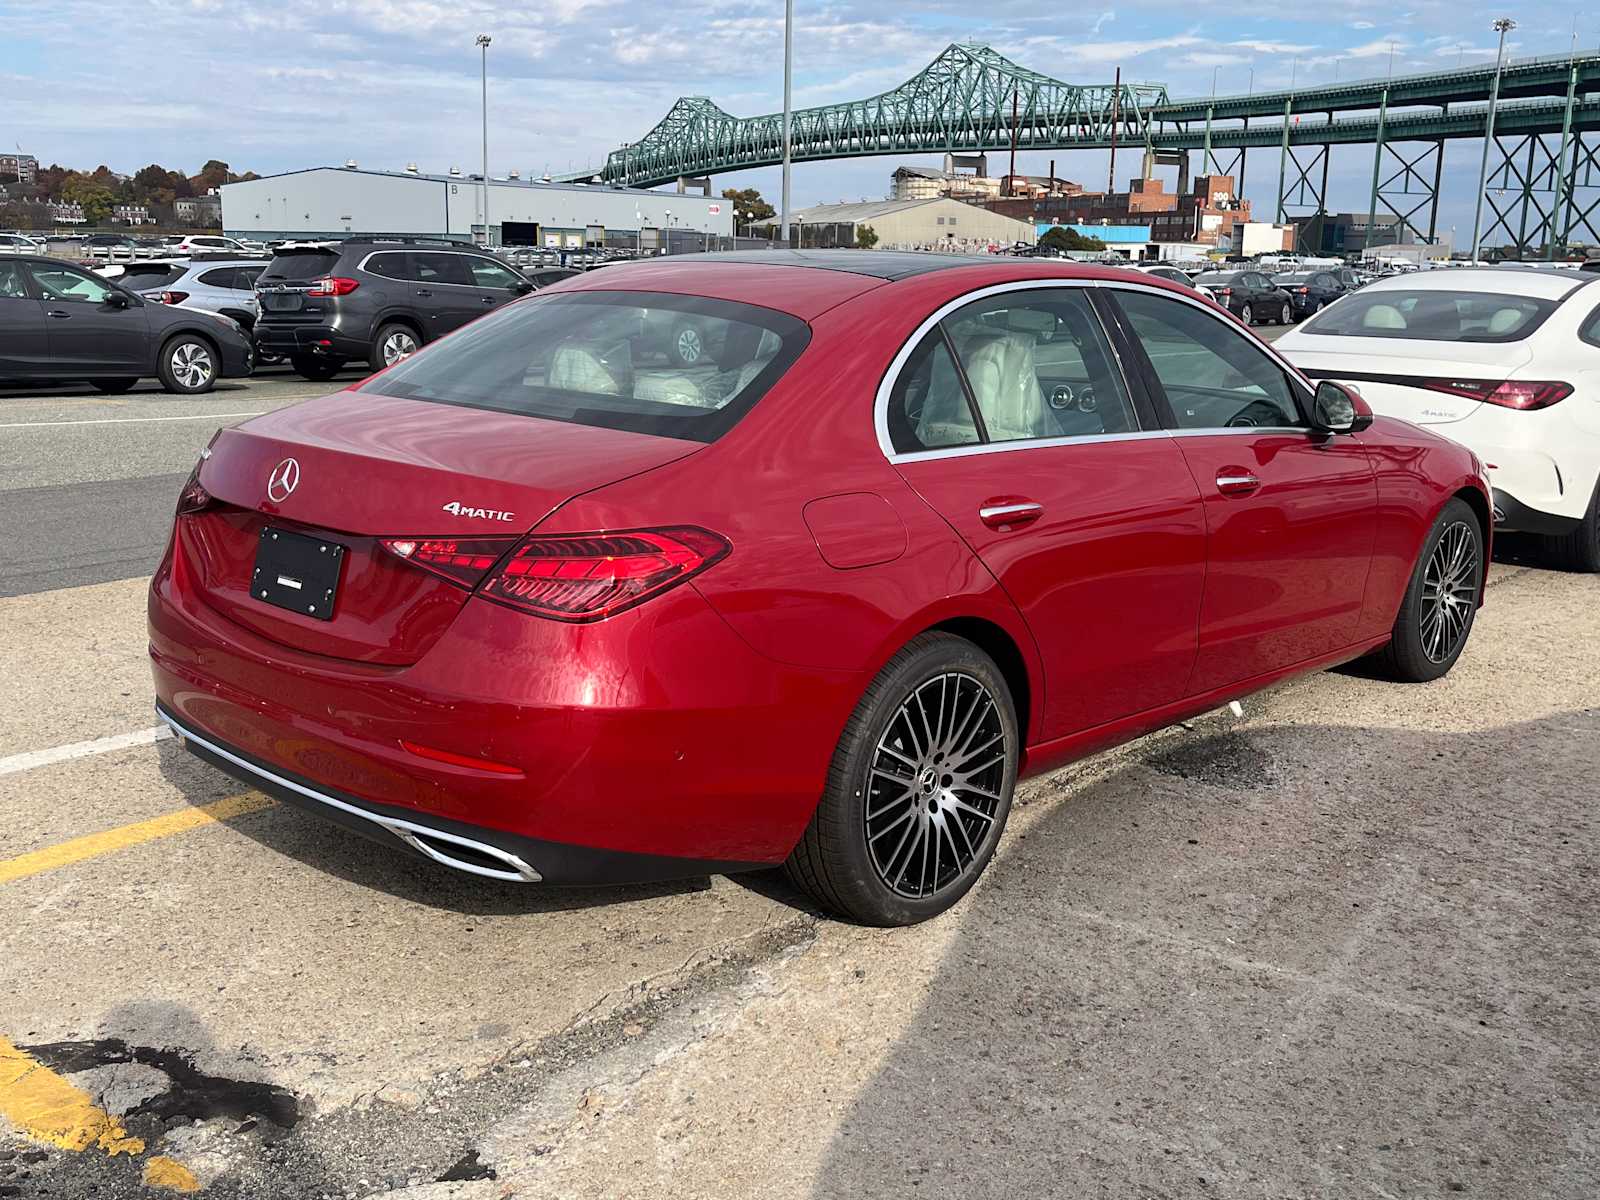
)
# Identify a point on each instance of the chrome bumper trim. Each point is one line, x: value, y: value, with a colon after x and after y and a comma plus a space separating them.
x: 418, y: 837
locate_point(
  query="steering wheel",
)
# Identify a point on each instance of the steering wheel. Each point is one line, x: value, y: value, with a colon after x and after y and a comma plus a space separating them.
x: 1257, y: 412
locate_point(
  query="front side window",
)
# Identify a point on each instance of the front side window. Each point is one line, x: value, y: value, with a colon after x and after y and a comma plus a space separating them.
x: 1214, y: 377
x: 613, y: 359
x: 491, y: 274
x: 65, y: 284
x: 1433, y: 315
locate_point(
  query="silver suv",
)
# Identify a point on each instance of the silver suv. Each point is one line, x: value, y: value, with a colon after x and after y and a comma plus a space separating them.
x: 215, y: 284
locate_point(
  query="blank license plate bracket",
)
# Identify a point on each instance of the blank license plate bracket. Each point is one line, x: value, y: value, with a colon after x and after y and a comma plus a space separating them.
x: 297, y: 573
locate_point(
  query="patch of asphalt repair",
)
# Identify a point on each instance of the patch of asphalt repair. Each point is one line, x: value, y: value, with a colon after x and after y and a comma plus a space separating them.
x: 387, y: 1141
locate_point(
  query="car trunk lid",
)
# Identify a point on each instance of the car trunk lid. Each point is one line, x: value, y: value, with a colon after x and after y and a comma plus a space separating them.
x: 1409, y: 380
x: 351, y: 470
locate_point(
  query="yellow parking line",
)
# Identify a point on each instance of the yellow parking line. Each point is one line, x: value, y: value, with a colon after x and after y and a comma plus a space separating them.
x: 47, y: 1108
x: 43, y: 1106
x: 95, y: 844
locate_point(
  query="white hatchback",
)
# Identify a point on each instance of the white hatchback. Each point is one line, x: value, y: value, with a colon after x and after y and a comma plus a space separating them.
x: 1505, y: 360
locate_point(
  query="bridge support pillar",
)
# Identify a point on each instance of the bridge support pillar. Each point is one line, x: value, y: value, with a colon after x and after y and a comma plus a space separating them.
x: 703, y: 182
x: 1539, y: 203
x: 1302, y: 193
x: 1405, y: 185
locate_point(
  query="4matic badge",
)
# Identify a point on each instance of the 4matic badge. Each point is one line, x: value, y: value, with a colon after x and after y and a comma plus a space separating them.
x: 458, y: 509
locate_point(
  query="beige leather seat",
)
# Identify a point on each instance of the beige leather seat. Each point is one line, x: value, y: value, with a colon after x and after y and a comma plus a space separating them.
x: 1005, y: 381
x: 590, y: 367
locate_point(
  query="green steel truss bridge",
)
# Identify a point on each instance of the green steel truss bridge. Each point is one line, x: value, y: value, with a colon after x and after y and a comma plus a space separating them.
x: 1543, y: 190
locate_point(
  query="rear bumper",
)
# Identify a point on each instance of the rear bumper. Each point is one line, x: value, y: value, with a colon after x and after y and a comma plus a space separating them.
x: 652, y: 745
x: 322, y: 340
x: 1513, y: 516
x: 478, y: 851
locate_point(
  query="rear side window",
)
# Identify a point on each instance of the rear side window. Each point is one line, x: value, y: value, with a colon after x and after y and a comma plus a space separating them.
x: 297, y: 266
x: 222, y: 277
x: 677, y: 366
x: 430, y: 267
x: 390, y: 266
x: 1426, y: 315
x: 1591, y: 329
x: 12, y: 285
x: 136, y: 280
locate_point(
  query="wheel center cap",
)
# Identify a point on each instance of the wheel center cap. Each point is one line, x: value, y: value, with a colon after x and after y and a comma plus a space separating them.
x: 928, y: 781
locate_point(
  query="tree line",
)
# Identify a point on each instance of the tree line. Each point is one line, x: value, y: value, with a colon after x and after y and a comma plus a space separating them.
x: 98, y: 192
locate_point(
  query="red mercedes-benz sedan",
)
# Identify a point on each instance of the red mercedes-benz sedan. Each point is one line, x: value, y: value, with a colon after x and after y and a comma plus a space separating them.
x: 726, y: 561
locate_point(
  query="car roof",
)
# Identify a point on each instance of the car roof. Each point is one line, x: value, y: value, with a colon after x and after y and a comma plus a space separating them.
x: 807, y: 286
x: 887, y: 265
x: 1510, y: 280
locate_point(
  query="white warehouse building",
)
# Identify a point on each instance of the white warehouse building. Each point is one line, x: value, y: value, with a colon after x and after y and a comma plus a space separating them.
x: 337, y: 202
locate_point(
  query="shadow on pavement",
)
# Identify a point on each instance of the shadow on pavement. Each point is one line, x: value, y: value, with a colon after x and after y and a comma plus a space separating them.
x: 1272, y: 962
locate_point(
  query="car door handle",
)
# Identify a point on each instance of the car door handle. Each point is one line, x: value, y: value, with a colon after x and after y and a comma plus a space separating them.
x: 58, y: 314
x: 424, y: 292
x: 487, y: 299
x: 1008, y: 514
x: 1236, y: 481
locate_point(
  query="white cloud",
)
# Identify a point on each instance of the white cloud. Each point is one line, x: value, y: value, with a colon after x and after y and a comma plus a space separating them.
x: 1361, y: 25
x: 1101, y: 22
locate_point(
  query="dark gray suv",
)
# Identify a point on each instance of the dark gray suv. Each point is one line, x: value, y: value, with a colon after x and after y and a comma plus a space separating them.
x: 325, y: 304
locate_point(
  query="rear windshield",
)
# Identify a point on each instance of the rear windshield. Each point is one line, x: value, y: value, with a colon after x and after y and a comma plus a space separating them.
x: 150, y: 278
x: 1433, y: 316
x: 300, y: 264
x: 1217, y: 277
x: 677, y: 366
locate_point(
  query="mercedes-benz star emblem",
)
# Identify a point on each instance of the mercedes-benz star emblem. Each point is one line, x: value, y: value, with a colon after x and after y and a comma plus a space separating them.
x: 282, y: 482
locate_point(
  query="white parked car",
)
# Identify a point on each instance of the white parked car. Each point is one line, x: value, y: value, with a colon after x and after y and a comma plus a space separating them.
x: 1503, y: 359
x: 211, y: 243
x: 20, y: 243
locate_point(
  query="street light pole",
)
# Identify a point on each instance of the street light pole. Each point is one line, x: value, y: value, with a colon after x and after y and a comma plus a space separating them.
x: 788, y: 73
x: 1503, y: 26
x: 483, y: 45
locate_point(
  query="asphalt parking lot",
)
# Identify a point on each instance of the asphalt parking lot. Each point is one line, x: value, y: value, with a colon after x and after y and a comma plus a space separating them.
x: 1343, y: 946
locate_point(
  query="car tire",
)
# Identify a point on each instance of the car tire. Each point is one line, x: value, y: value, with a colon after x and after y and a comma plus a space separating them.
x: 113, y: 387
x: 1429, y: 633
x: 318, y: 370
x: 688, y: 345
x: 1580, y: 549
x: 1247, y: 314
x: 188, y: 365
x: 393, y: 342
x: 940, y: 700
x: 1286, y: 315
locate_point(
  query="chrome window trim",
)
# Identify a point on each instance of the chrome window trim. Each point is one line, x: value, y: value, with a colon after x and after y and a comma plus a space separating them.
x: 471, y: 287
x: 897, y: 364
x: 407, y: 831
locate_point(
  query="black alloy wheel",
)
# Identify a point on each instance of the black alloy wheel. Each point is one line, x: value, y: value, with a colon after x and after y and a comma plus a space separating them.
x: 919, y: 788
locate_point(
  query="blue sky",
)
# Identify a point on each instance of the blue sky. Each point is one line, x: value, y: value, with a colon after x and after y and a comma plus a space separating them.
x: 292, y: 83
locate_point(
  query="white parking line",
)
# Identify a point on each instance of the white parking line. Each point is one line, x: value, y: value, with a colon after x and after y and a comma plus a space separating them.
x: 133, y: 420
x: 41, y: 758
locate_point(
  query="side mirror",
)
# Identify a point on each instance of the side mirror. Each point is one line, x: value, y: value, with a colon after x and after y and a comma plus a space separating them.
x: 1339, y: 408
x: 522, y: 287
x: 116, y: 300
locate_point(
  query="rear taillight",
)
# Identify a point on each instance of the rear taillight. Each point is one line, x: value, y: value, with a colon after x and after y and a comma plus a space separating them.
x: 332, y: 285
x: 1223, y: 291
x: 1305, y: 291
x: 461, y: 561
x: 193, y: 498
x: 1524, y: 395
x: 590, y: 576
x: 173, y: 297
